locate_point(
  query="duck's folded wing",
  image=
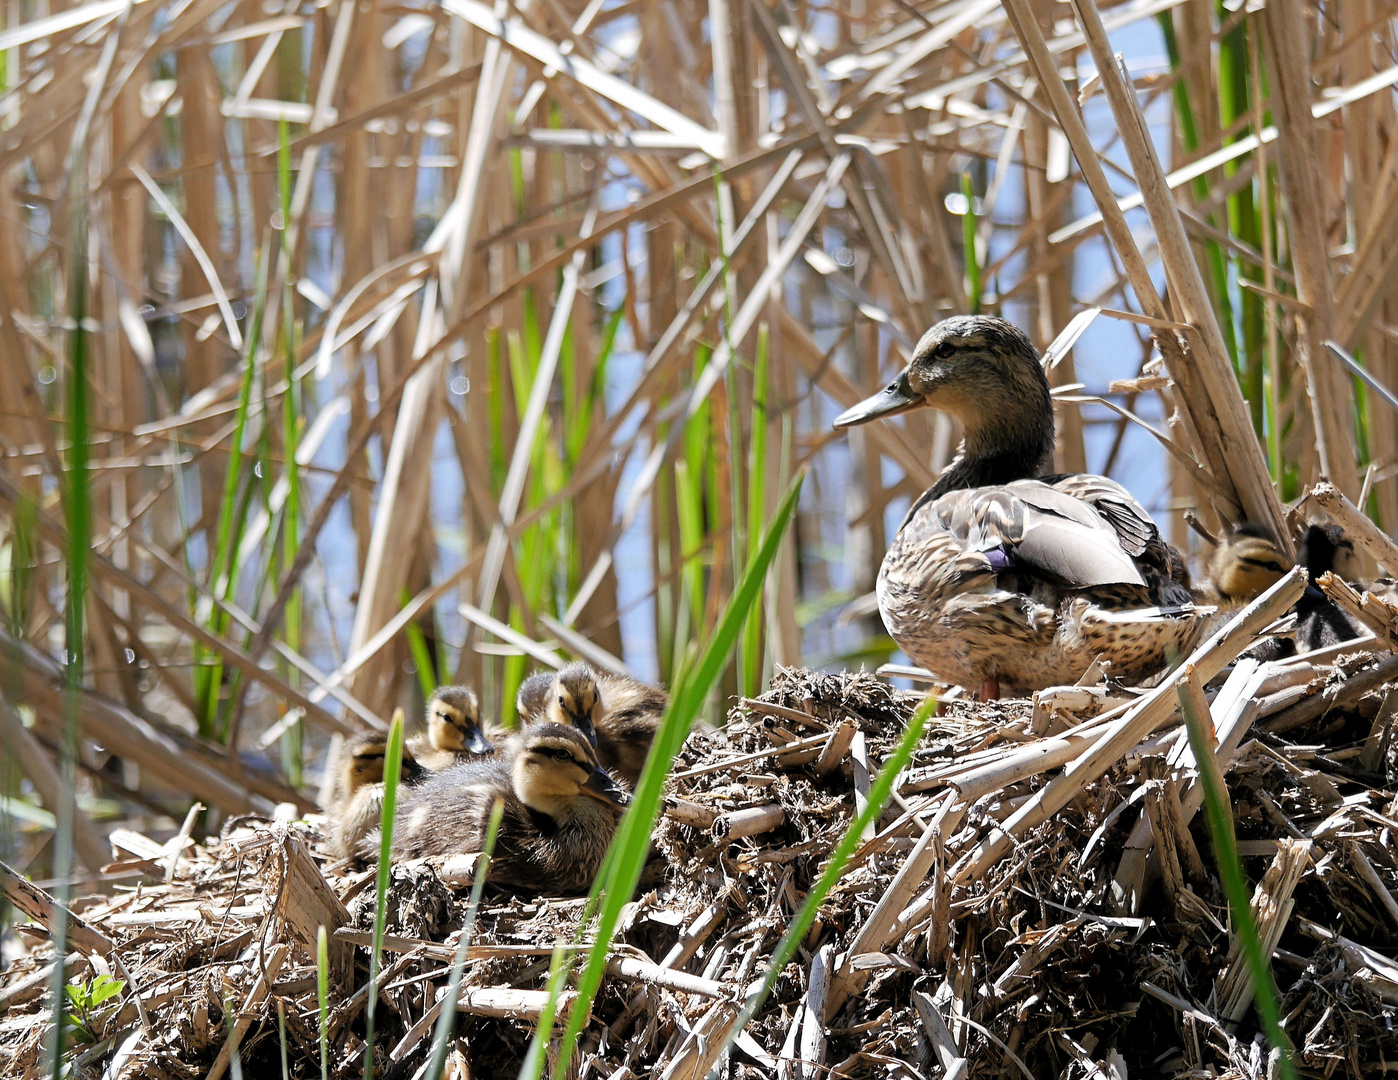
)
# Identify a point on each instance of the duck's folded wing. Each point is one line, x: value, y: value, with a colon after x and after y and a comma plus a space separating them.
x: 1030, y: 525
x: 1133, y: 524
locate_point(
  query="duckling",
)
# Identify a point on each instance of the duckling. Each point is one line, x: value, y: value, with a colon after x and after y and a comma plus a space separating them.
x: 1245, y: 564
x: 561, y: 811
x: 359, y: 790
x: 453, y: 729
x: 1320, y: 622
x: 1002, y: 577
x: 618, y: 714
x: 569, y: 696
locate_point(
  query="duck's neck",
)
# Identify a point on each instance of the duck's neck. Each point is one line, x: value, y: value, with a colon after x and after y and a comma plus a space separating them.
x: 1007, y: 445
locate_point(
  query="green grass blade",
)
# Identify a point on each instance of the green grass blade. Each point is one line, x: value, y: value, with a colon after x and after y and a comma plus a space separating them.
x: 421, y: 654
x: 17, y: 577
x: 880, y: 791
x: 446, y: 1022
x: 78, y: 519
x: 627, y: 856
x: 291, y: 442
x: 392, y: 767
x: 323, y: 999
x: 689, y: 513
x: 1234, y: 884
x: 232, y: 514
x: 968, y: 243
x: 750, y: 673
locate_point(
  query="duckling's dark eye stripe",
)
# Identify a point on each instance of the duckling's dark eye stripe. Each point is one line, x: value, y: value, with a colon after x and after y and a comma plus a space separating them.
x: 1265, y: 564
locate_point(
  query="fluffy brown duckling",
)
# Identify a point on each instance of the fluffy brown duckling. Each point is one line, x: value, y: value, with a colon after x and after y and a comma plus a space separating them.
x: 561, y: 811
x: 1248, y: 562
x: 359, y: 790
x: 453, y: 729
x: 1320, y: 622
x: 619, y: 715
x: 1245, y: 564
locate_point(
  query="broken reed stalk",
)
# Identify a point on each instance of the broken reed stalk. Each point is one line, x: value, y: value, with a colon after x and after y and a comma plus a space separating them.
x: 1330, y: 393
x: 1121, y: 735
x: 1357, y: 525
x: 446, y: 1022
x: 1194, y: 706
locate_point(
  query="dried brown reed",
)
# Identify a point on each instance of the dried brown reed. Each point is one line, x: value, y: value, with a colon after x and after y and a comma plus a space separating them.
x: 409, y: 327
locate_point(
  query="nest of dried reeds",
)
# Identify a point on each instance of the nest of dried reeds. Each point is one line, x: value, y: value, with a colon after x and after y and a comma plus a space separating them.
x: 965, y: 938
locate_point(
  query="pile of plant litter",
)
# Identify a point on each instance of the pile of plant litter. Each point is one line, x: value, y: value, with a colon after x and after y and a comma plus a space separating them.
x: 1039, y: 899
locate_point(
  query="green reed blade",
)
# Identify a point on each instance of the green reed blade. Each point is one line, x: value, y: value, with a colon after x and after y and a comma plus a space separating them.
x: 627, y: 856
x: 323, y: 999
x: 880, y: 791
x: 392, y: 767
x: 446, y: 1022
x: 1220, y: 817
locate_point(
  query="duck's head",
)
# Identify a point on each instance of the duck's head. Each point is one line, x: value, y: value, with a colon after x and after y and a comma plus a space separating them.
x: 363, y: 762
x: 575, y: 700
x: 1247, y: 563
x: 1327, y: 548
x: 454, y: 721
x: 555, y: 766
x: 985, y: 372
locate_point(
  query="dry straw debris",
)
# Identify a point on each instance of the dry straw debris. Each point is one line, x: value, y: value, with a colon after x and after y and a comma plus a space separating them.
x: 1060, y: 959
x: 618, y: 259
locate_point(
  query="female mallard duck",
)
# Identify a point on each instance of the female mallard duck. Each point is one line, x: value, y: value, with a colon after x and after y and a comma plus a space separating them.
x: 618, y: 714
x: 560, y: 812
x: 453, y: 729
x: 1001, y: 577
x: 358, y: 803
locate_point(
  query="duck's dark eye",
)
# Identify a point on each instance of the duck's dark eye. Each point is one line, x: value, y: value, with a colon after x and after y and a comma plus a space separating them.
x: 944, y: 350
x: 1275, y: 567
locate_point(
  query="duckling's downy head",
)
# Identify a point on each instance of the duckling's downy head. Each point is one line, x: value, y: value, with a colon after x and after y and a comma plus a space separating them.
x: 1247, y: 563
x: 575, y: 700
x: 454, y: 721
x: 363, y: 763
x: 1326, y: 548
x: 985, y: 372
x: 555, y: 765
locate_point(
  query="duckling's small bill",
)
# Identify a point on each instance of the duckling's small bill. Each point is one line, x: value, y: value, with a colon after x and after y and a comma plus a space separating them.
x: 895, y: 398
x: 601, y: 786
x: 476, y: 742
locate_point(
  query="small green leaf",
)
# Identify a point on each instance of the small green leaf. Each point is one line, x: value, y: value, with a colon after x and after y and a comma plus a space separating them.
x: 104, y: 988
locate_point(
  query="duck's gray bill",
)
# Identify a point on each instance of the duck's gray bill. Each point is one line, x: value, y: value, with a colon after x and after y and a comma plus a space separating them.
x: 601, y: 786
x: 477, y: 743
x: 894, y: 398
